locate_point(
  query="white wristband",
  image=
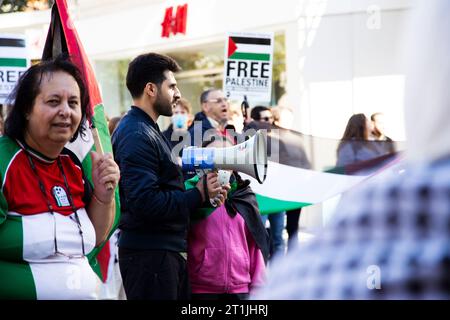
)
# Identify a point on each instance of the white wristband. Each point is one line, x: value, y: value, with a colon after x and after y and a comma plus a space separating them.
x: 213, y: 202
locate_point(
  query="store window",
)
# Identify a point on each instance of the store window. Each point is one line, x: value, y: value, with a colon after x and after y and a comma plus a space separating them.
x: 202, y: 68
x: 111, y: 75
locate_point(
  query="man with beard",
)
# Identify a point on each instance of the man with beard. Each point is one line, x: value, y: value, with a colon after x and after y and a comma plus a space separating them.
x: 155, y: 206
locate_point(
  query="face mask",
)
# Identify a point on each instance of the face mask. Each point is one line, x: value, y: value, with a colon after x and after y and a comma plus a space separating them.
x: 179, y: 120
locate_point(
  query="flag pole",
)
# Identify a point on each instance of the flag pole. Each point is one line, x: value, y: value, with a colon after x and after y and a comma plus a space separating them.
x: 98, y: 147
x: 244, y: 108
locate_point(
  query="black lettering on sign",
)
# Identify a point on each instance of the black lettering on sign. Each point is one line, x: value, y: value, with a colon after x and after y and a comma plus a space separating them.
x: 264, y: 70
x: 11, y: 76
x: 254, y: 68
x: 242, y: 66
x: 230, y: 66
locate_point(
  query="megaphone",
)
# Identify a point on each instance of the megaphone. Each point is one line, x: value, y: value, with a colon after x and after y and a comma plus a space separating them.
x: 249, y: 157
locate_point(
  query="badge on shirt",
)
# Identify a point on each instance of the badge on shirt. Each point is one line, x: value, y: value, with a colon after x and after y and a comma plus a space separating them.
x: 60, y: 196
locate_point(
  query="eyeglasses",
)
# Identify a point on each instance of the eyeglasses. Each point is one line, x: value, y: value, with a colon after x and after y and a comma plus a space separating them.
x: 266, y: 119
x: 218, y: 100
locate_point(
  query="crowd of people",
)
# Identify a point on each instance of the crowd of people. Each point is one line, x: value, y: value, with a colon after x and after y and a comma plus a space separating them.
x: 202, y: 237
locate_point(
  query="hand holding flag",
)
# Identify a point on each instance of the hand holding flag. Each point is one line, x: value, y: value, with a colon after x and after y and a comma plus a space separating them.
x: 62, y: 38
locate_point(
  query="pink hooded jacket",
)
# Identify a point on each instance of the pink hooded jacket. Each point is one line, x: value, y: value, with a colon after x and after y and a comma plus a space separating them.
x: 222, y: 255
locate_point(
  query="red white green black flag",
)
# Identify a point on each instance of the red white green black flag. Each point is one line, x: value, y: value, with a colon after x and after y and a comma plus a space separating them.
x: 63, y: 38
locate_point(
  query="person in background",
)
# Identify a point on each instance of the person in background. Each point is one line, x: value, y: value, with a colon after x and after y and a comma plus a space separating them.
x: 235, y: 124
x: 378, y: 127
x: 112, y: 124
x: 262, y: 118
x: 227, y: 245
x: 236, y: 118
x: 390, y: 236
x: 177, y: 132
x: 51, y: 217
x: 212, y: 120
x: 282, y: 119
x: 154, y: 203
x: 378, y: 134
x: 354, y: 145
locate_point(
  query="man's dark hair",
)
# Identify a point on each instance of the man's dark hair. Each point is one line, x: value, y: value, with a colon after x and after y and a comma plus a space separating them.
x: 205, y: 94
x: 149, y: 67
x: 256, y: 111
x: 23, y: 97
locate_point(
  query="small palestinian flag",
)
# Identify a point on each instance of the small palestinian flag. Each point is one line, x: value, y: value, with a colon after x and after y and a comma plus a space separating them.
x: 249, y: 48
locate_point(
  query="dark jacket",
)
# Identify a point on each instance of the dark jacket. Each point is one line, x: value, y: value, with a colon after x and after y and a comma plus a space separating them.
x: 154, y: 203
x: 200, y: 121
x: 177, y: 139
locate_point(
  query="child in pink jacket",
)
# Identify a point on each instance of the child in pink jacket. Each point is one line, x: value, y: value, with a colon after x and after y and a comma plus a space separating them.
x: 226, y: 246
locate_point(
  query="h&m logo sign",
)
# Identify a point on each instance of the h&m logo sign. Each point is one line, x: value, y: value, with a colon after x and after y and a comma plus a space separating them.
x: 174, y: 24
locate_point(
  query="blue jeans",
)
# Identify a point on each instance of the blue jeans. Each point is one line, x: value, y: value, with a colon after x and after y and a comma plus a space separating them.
x: 276, y: 221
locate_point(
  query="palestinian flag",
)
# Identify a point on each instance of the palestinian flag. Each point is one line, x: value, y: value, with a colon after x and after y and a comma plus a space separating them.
x: 249, y: 48
x: 303, y: 188
x: 63, y: 38
x: 21, y: 278
x: 293, y: 183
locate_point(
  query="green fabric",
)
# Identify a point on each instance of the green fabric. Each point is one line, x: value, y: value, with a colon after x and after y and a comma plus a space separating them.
x: 337, y: 170
x: 13, y: 62
x: 11, y: 239
x: 16, y: 281
x: 103, y: 132
x: 250, y: 56
x: 266, y: 205
x: 8, y: 149
x: 269, y: 205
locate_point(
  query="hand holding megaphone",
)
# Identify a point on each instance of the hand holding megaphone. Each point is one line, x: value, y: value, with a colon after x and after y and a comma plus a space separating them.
x: 223, y: 177
x: 215, y: 191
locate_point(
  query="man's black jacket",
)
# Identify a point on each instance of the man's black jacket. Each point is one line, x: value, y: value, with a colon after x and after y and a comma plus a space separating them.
x: 154, y: 203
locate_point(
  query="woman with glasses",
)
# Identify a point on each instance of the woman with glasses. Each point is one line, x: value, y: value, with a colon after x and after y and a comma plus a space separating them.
x: 51, y: 217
